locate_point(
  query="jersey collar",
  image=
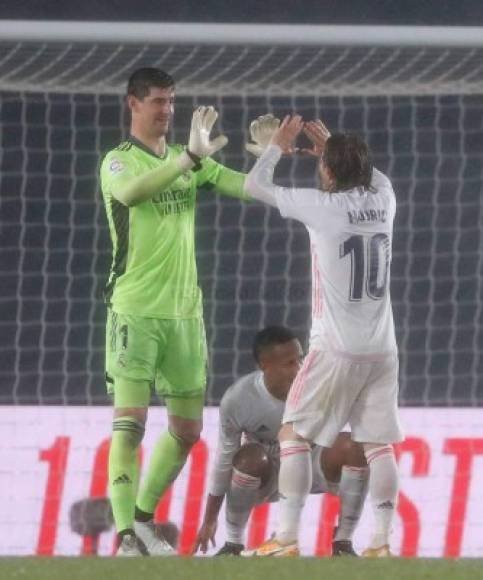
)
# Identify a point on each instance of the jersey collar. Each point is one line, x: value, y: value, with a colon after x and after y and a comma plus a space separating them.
x: 140, y: 145
x: 263, y: 390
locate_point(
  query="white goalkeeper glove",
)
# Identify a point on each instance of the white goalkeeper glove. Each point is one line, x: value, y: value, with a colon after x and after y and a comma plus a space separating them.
x: 202, y: 122
x: 261, y: 131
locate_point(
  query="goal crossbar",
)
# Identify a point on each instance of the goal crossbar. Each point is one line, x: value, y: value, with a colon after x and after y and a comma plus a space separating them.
x: 251, y: 34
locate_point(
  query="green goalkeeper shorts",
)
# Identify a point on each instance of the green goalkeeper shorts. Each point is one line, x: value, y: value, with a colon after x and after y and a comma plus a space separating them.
x: 172, y: 354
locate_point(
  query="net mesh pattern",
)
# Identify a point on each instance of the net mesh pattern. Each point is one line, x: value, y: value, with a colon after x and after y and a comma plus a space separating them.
x: 202, y: 70
x: 253, y: 265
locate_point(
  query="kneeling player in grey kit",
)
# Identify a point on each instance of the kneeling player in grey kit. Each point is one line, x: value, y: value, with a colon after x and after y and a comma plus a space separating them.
x: 248, y: 455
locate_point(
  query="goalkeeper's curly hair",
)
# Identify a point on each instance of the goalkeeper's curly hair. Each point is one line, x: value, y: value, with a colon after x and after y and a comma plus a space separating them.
x: 348, y: 158
x: 143, y: 79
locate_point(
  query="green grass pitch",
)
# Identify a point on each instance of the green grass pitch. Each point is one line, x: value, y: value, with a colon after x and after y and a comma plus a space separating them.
x: 237, y: 569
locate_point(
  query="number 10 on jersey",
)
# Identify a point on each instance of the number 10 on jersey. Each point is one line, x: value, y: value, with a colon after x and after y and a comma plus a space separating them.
x: 369, y: 256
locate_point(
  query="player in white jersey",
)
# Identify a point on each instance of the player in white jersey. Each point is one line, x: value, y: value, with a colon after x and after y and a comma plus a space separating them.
x: 350, y: 372
x: 247, y: 459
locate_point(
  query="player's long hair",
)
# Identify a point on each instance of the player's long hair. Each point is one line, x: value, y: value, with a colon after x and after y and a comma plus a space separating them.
x: 143, y: 79
x: 349, y: 160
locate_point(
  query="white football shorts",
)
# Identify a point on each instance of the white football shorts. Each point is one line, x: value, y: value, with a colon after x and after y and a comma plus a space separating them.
x: 331, y: 391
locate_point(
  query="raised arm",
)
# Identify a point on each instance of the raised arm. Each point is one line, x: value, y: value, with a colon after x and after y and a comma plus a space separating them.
x: 132, y: 190
x: 232, y: 183
x: 259, y: 183
x: 135, y: 190
x: 223, y: 180
x: 318, y: 134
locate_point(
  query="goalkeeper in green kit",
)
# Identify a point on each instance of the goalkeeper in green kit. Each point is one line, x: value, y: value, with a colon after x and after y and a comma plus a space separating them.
x: 155, y: 334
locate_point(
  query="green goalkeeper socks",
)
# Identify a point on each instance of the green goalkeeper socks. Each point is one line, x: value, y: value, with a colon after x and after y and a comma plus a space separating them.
x: 124, y: 470
x: 169, y: 456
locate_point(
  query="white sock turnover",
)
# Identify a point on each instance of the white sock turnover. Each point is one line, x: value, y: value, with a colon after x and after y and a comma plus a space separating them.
x: 240, y: 499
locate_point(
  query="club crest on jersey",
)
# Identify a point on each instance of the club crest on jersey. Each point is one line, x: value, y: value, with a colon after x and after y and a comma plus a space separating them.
x: 116, y: 166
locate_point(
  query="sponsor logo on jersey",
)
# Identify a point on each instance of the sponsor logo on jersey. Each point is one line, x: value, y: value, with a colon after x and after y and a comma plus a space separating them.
x: 173, y: 201
x: 116, y: 166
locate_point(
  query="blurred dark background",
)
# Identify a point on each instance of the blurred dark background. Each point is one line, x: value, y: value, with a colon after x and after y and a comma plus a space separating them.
x: 422, y: 12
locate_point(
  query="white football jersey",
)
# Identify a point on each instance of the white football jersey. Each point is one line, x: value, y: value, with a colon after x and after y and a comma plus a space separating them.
x: 351, y: 239
x: 248, y: 412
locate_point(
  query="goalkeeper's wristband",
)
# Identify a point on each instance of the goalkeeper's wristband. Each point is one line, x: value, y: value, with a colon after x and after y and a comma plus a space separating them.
x: 195, y: 159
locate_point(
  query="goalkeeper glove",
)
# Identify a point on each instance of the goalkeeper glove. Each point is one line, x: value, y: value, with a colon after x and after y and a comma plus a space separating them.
x: 199, y: 144
x: 261, y: 131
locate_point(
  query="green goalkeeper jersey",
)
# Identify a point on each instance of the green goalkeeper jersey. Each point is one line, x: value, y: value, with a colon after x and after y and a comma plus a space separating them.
x: 153, y: 272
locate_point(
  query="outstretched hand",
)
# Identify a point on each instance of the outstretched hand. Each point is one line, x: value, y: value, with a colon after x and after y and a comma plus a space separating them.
x: 206, y: 534
x: 201, y: 125
x: 261, y: 131
x: 318, y: 134
x: 286, y: 134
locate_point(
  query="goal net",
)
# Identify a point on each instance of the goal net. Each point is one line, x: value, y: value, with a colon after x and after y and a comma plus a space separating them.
x: 228, y: 59
x: 416, y: 94
x: 417, y: 100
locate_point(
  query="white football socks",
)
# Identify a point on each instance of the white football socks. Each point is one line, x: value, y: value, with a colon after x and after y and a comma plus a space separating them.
x: 294, y: 483
x: 352, y: 493
x: 383, y: 488
x: 240, y: 499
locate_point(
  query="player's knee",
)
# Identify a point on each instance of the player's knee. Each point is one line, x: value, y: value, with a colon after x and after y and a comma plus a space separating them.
x: 253, y: 460
x: 344, y: 438
x: 188, y: 435
x: 355, y: 456
x: 345, y: 451
x: 287, y: 433
x: 186, y: 431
